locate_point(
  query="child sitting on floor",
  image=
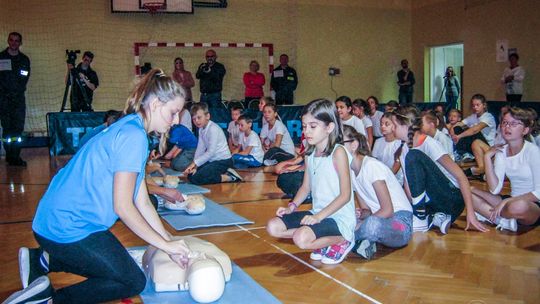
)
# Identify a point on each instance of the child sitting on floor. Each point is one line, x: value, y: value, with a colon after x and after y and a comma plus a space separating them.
x: 385, y: 215
x: 213, y: 162
x: 328, y: 228
x: 249, y: 154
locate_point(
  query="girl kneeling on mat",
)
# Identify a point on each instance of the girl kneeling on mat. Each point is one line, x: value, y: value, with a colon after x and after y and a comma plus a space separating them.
x: 104, y: 181
x: 385, y: 215
x: 519, y: 160
x: 434, y: 183
x: 328, y: 228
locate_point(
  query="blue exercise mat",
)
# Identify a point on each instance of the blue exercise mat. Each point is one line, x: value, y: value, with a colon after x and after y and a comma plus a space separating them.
x: 191, y: 189
x: 215, y: 215
x: 240, y: 289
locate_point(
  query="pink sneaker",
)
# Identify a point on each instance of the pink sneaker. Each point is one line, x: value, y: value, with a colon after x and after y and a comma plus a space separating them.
x: 318, y: 254
x: 337, y: 253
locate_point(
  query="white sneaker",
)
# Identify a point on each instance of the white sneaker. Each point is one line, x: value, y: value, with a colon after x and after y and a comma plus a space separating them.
x: 482, y: 218
x: 236, y: 178
x: 38, y: 292
x: 442, y: 221
x: 270, y: 162
x: 467, y: 157
x: 508, y: 224
x: 420, y: 225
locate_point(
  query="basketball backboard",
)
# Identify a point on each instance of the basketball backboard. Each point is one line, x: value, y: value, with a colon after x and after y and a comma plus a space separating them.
x: 149, y: 6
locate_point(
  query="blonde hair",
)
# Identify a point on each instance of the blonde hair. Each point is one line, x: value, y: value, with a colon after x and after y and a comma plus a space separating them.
x: 155, y: 84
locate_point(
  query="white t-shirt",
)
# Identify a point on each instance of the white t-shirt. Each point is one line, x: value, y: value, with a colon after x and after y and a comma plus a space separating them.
x: 446, y: 142
x: 212, y: 145
x: 537, y: 140
x: 522, y: 169
x: 234, y: 132
x: 356, y: 123
x: 376, y: 119
x: 269, y: 136
x: 434, y: 150
x: 371, y: 171
x: 185, y: 120
x: 254, y: 141
x: 384, y: 152
x: 489, y: 131
x: 367, y: 122
x: 515, y: 86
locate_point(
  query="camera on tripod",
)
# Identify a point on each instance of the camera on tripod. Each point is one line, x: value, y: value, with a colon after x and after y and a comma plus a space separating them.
x: 72, y: 56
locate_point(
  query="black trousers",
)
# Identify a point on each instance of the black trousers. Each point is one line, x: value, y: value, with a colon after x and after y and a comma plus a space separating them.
x: 12, y: 116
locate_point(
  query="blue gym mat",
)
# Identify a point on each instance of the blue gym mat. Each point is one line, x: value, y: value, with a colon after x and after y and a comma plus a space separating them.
x: 215, y: 215
x: 240, y: 289
x: 186, y: 188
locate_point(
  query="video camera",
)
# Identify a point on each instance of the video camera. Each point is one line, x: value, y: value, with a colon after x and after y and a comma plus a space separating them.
x: 72, y: 56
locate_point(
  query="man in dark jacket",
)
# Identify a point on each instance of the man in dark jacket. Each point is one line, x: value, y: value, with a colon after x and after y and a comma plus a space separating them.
x: 14, y: 75
x: 284, y: 81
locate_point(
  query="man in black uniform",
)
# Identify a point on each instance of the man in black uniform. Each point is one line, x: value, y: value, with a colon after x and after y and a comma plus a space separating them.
x: 211, y: 76
x: 284, y: 81
x: 84, y: 81
x: 14, y: 75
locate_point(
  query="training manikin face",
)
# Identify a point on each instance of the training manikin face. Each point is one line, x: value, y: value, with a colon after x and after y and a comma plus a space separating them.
x: 205, y: 276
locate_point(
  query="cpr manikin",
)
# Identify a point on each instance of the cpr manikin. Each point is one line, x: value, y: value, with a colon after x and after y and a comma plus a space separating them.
x: 205, y: 275
x: 192, y: 204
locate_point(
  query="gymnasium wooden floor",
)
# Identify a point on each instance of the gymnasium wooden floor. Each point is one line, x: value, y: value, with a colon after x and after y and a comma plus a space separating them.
x: 461, y: 267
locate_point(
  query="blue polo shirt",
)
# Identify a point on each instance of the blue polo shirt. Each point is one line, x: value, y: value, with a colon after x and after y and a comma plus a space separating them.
x: 182, y: 137
x: 79, y: 200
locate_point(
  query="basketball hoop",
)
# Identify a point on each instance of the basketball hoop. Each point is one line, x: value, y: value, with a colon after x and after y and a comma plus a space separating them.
x: 154, y: 7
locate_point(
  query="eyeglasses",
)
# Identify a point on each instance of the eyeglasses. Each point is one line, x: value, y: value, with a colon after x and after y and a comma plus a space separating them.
x: 512, y: 124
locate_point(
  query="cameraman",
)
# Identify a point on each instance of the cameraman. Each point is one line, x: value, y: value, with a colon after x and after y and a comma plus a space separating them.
x: 84, y: 81
x: 452, y: 89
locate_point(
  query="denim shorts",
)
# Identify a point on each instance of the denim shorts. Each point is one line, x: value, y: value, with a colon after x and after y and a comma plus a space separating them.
x: 327, y: 227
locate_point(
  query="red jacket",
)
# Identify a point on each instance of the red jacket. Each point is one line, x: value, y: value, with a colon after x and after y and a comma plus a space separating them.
x: 254, y: 84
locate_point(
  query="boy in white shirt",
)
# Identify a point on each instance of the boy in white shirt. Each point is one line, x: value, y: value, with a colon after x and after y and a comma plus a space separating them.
x: 250, y: 153
x: 233, y: 129
x: 212, y: 163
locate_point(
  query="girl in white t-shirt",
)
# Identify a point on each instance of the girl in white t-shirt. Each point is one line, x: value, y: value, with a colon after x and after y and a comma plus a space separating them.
x: 328, y: 228
x: 436, y: 185
x: 431, y: 123
x: 479, y: 126
x: 385, y: 148
x: 385, y: 215
x: 344, y: 108
x: 519, y: 161
x: 375, y: 116
x: 249, y: 153
x: 276, y: 140
x: 360, y: 109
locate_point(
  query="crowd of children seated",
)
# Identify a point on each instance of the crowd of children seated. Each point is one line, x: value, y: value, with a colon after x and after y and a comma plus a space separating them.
x: 402, y: 164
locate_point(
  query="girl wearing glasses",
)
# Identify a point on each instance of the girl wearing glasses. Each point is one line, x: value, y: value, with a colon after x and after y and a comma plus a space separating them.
x: 519, y: 161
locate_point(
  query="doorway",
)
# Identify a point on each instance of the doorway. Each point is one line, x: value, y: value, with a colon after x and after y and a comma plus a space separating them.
x: 441, y: 57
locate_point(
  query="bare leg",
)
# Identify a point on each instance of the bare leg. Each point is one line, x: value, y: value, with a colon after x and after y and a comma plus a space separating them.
x: 479, y: 148
x: 276, y: 228
x: 484, y: 201
x: 525, y: 212
x: 305, y: 238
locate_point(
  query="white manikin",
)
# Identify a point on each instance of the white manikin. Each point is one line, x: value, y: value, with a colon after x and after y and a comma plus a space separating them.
x: 192, y: 204
x: 205, y: 276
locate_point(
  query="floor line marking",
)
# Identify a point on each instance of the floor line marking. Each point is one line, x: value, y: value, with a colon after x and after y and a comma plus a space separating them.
x: 347, y: 286
x: 226, y: 231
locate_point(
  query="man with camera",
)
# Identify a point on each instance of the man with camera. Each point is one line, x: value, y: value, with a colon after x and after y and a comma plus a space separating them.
x: 84, y: 81
x: 211, y: 74
x: 14, y: 75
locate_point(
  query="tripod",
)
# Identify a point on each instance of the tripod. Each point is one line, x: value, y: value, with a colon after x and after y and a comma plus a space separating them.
x: 73, y: 77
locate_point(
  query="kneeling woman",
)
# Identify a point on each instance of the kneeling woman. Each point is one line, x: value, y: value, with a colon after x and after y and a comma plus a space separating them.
x: 104, y: 181
x: 519, y: 160
x: 385, y: 215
